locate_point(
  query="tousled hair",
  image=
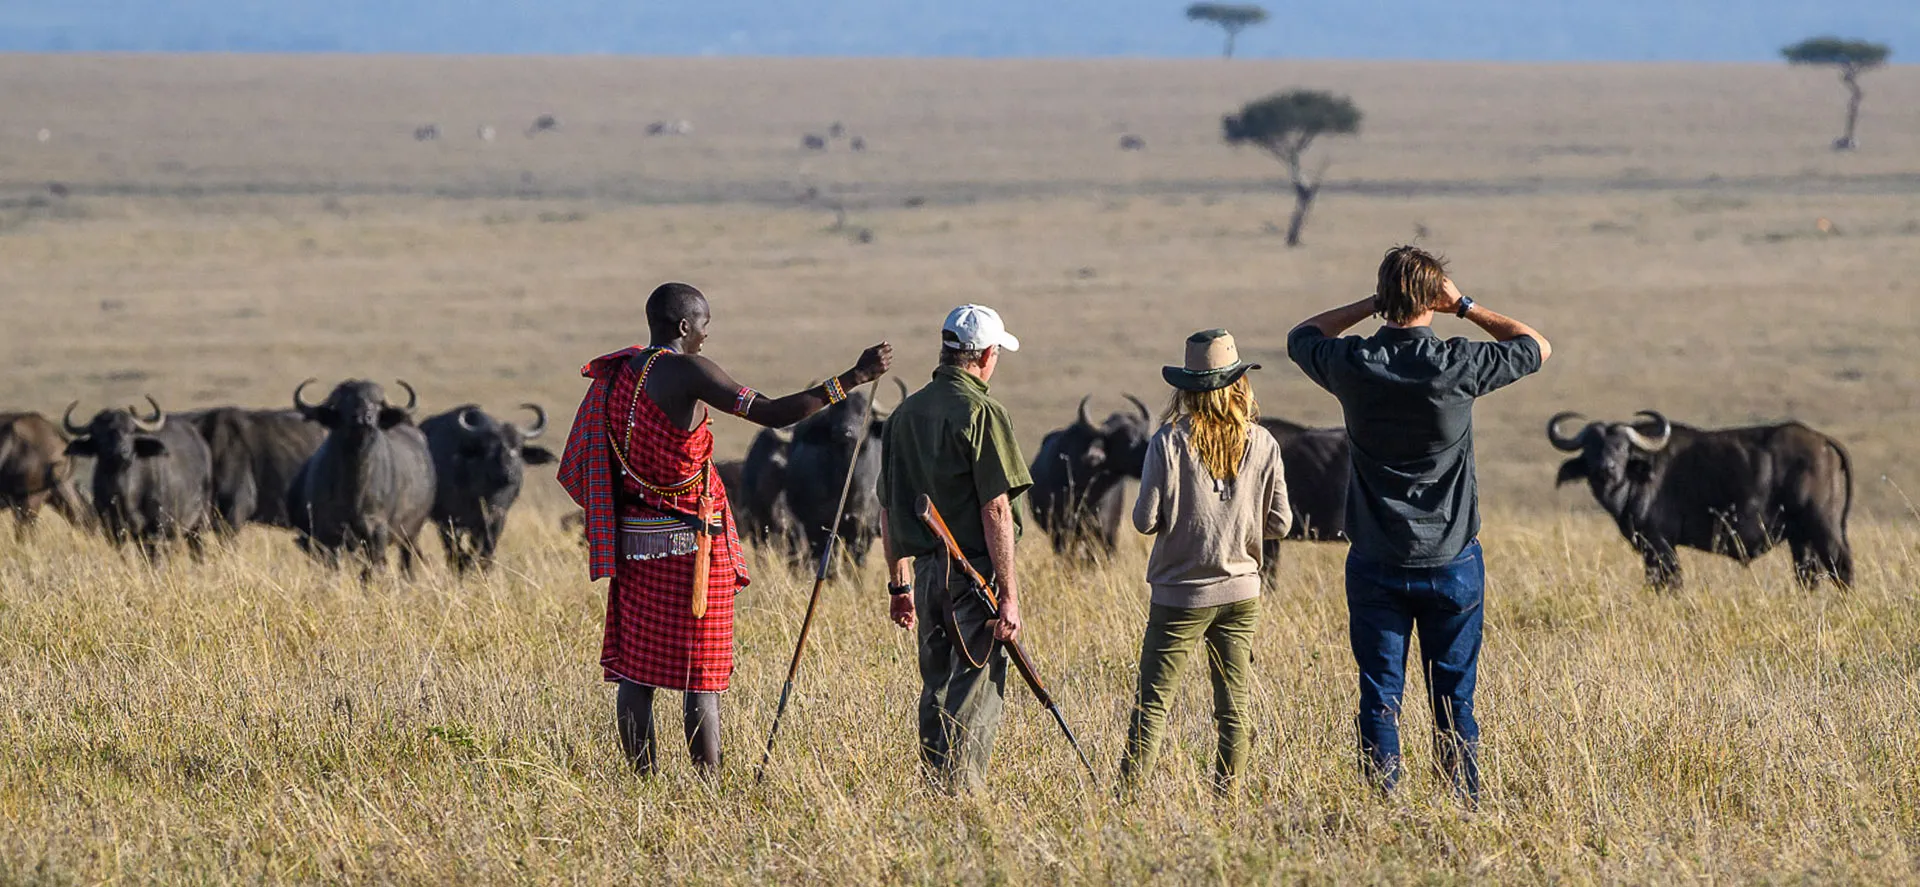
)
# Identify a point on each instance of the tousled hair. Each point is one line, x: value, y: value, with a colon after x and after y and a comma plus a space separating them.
x: 1218, y: 422
x: 1411, y: 282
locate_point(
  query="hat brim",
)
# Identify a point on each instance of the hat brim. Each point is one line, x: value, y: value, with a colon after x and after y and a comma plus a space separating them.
x: 1209, y: 380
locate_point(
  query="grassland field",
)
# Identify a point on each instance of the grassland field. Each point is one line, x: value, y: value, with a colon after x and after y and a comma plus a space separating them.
x: 225, y: 226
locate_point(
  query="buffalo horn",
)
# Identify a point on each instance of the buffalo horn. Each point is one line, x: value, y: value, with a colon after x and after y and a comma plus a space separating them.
x: 1083, y: 417
x: 1146, y: 415
x: 539, y: 425
x: 1562, y: 442
x: 1651, y: 443
x: 152, y: 424
x: 469, y: 419
x: 302, y: 405
x: 413, y: 399
x: 67, y: 420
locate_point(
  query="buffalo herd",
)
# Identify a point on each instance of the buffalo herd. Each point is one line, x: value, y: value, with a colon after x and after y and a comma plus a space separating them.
x: 355, y: 474
x: 352, y: 475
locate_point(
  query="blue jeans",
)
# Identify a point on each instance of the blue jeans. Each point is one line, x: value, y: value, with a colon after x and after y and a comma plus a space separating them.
x: 1385, y: 605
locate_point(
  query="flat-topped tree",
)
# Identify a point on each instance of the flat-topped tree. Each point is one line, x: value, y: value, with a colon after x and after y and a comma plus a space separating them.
x: 1230, y: 17
x: 1286, y: 124
x: 1852, y: 57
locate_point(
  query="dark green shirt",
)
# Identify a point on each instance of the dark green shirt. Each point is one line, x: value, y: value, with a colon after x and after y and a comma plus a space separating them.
x: 1408, y: 394
x: 953, y: 443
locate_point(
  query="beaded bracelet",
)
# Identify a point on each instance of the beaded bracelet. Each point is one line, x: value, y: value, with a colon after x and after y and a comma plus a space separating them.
x: 743, y: 401
x: 835, y: 392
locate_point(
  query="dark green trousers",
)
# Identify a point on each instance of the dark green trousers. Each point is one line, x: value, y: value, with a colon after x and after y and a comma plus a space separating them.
x: 960, y: 704
x: 1173, y: 633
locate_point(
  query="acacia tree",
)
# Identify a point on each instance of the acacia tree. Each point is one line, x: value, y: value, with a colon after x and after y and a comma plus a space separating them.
x: 1230, y: 17
x: 1852, y: 57
x: 1286, y: 124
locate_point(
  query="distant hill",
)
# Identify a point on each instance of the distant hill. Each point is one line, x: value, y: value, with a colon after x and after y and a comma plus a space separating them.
x: 1500, y: 30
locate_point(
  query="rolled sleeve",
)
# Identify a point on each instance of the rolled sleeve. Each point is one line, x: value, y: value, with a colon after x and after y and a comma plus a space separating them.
x: 1499, y: 364
x: 998, y: 467
x: 1314, y: 352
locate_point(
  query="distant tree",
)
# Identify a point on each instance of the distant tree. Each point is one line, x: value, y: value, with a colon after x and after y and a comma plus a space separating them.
x: 1285, y: 124
x: 1852, y: 57
x: 1230, y: 17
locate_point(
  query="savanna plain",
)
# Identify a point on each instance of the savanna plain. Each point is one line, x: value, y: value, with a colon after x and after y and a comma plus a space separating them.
x: 223, y: 227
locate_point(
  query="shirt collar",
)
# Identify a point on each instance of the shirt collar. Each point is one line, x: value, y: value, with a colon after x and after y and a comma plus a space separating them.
x: 956, y: 374
x: 1405, y: 334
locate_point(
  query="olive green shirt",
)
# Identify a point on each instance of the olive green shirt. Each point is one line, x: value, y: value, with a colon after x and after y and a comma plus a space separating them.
x: 953, y: 443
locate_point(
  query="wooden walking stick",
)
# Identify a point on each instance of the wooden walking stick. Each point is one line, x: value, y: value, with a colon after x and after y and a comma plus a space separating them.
x: 930, y: 516
x: 819, y: 580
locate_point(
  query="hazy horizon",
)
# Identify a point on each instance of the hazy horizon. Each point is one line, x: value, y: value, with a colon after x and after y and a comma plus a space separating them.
x: 1413, y: 30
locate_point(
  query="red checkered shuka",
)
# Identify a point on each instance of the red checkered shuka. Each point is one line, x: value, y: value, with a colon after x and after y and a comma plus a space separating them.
x: 651, y: 636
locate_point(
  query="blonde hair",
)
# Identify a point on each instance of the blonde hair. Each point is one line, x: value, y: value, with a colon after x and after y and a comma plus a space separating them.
x: 1218, y: 422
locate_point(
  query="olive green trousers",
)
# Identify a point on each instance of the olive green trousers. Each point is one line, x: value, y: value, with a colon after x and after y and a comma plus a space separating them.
x: 1173, y: 633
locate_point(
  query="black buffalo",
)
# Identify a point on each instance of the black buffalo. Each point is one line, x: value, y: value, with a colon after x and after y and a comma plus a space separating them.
x: 818, y: 462
x: 1317, y: 469
x: 760, y: 508
x: 479, y: 464
x: 1079, y: 477
x: 35, y: 471
x: 1735, y: 492
x: 152, y: 478
x: 256, y: 454
x: 370, y: 483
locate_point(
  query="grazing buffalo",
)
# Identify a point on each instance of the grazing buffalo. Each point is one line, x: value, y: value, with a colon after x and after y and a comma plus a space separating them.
x: 818, y: 462
x: 1079, y: 477
x: 760, y: 509
x: 813, y: 142
x: 479, y: 463
x: 256, y: 454
x: 35, y: 471
x: 1736, y: 491
x: 152, y: 478
x: 370, y: 483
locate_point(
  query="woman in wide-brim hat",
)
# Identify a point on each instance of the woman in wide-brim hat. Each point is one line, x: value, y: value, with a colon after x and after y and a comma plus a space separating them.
x: 1212, y: 491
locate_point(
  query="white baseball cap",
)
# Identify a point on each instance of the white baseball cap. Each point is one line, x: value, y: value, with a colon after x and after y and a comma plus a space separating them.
x: 976, y: 328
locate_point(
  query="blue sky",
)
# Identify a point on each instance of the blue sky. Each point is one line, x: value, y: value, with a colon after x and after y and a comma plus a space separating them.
x: 1495, y: 30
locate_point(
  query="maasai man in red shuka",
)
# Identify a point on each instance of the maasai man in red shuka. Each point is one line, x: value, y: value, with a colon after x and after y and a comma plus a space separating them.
x: 640, y: 461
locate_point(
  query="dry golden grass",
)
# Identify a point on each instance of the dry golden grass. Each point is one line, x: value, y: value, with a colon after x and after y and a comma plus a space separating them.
x: 236, y: 224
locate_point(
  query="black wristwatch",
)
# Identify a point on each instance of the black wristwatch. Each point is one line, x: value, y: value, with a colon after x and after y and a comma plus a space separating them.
x: 1466, y: 305
x: 898, y: 590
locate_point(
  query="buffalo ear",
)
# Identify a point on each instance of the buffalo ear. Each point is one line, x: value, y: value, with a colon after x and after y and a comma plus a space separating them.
x: 82, y: 446
x: 147, y: 447
x: 1571, y: 471
x: 538, y: 455
x: 392, y: 416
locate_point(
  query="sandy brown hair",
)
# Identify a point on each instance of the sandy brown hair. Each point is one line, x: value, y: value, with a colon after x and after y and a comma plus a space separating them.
x: 1410, y: 284
x: 1219, y: 421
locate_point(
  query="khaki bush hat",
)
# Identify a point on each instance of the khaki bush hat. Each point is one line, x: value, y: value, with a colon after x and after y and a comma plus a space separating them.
x: 1213, y: 362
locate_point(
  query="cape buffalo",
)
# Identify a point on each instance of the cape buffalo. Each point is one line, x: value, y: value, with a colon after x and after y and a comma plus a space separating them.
x: 256, y: 453
x: 479, y: 463
x: 1079, y: 477
x: 152, y: 478
x: 35, y: 471
x: 761, y: 508
x: 1736, y: 491
x: 1317, y: 469
x: 371, y: 482
x: 818, y: 462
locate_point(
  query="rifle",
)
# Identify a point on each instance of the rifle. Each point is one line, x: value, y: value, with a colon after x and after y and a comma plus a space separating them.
x: 930, y: 516
x: 819, y: 579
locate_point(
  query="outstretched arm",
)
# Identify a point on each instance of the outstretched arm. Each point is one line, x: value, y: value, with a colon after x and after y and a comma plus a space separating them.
x: 711, y: 385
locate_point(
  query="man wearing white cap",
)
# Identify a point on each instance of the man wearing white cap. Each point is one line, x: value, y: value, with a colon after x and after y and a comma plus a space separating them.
x: 952, y: 442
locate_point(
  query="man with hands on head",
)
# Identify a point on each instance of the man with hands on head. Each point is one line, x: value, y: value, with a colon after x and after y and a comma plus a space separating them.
x: 952, y: 442
x: 1413, y: 511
